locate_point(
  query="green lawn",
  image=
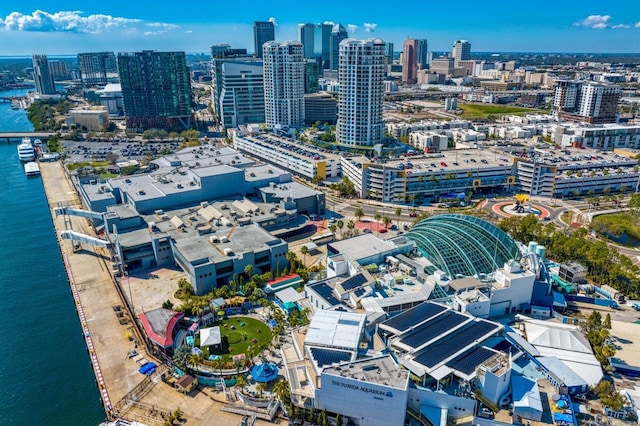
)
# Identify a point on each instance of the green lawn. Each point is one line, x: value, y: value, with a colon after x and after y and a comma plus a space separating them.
x: 475, y: 111
x: 240, y: 338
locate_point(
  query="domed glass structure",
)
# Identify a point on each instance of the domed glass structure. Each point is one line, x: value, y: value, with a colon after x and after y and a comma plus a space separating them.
x: 463, y: 246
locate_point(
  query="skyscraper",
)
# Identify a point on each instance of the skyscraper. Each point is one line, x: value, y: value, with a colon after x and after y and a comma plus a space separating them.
x: 322, y: 44
x: 361, y: 76
x: 461, y: 50
x: 306, y: 36
x: 410, y: 61
x: 338, y: 33
x: 388, y: 52
x: 422, y: 54
x: 156, y: 90
x: 263, y: 31
x: 283, y: 84
x: 42, y: 76
x: 97, y: 69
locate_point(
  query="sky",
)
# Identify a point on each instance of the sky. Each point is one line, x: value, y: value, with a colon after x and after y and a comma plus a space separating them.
x: 56, y: 27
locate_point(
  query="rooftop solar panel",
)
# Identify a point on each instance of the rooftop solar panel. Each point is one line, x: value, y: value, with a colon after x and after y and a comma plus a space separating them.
x: 467, y: 362
x: 327, y: 356
x: 414, y: 316
x: 432, y: 329
x: 326, y: 293
x: 466, y: 335
x: 353, y: 282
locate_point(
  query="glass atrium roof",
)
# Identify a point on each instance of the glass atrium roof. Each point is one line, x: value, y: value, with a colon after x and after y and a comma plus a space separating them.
x: 463, y: 246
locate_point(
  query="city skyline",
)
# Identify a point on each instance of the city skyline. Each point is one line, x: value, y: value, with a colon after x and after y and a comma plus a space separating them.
x: 69, y: 27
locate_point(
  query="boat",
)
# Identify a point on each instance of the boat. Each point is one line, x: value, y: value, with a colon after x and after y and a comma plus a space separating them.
x: 37, y: 143
x: 31, y: 168
x: 26, y: 152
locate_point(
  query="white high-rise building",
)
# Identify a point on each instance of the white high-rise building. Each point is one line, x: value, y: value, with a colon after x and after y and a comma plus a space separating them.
x: 361, y: 74
x: 283, y: 83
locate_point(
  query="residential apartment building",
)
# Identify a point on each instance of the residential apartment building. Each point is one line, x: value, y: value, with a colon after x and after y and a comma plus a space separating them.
x: 263, y: 31
x: 284, y: 78
x: 238, y: 91
x: 42, y: 76
x: 410, y: 61
x: 97, y: 69
x: 156, y: 90
x: 361, y: 76
x: 586, y: 101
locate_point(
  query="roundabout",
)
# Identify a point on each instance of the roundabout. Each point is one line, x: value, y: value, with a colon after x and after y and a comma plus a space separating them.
x: 513, y: 208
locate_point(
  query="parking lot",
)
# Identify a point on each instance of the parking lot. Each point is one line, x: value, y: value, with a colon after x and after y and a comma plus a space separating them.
x: 125, y: 149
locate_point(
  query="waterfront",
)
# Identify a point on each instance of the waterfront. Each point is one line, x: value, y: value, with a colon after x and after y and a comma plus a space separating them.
x: 45, y: 369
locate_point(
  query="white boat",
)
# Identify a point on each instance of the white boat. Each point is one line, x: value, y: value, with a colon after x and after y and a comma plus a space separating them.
x: 26, y: 152
x: 32, y: 168
x: 37, y: 143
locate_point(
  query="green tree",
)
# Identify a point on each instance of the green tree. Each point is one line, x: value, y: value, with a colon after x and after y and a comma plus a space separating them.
x: 359, y: 213
x: 398, y: 212
x: 323, y: 419
x: 340, y: 225
x: 241, y: 381
x: 338, y: 420
x: 304, y: 250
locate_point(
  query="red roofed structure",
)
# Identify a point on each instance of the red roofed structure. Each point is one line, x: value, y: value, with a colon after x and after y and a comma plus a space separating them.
x: 159, y: 325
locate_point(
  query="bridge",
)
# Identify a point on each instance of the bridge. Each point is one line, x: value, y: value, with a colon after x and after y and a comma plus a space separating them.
x: 17, y: 136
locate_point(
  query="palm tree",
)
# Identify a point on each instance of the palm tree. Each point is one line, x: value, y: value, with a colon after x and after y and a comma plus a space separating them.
x: 340, y: 225
x: 261, y: 387
x: 359, y: 213
x: 291, y: 258
x: 386, y: 220
x: 241, y: 381
x: 194, y: 360
x: 304, y: 250
x: 248, y: 270
x: 398, y: 212
x: 281, y: 391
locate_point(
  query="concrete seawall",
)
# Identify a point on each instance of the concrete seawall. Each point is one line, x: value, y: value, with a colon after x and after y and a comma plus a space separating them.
x: 94, y: 294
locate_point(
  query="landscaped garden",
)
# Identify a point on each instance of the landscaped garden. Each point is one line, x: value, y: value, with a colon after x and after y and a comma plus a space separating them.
x: 239, y: 335
x: 475, y: 111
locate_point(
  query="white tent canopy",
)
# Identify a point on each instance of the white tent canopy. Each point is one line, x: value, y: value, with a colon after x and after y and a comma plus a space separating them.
x: 210, y: 336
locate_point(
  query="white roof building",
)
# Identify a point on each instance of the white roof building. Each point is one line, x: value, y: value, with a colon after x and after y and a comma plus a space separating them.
x: 335, y: 329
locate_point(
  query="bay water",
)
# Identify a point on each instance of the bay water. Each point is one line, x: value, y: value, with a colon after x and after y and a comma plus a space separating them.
x: 45, y: 371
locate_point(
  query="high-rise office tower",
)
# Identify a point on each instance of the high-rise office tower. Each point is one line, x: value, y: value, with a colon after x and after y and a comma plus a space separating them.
x: 388, y: 52
x: 283, y: 84
x: 361, y: 76
x: 322, y: 45
x: 238, y: 91
x: 461, y: 50
x: 338, y: 33
x: 311, y: 75
x: 156, y: 90
x: 263, y: 31
x: 42, y: 75
x: 306, y: 36
x: 97, y: 69
x: 58, y: 70
x: 586, y: 101
x: 422, y: 53
x: 410, y: 61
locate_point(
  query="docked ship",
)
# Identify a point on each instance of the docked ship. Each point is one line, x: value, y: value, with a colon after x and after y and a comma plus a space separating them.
x: 26, y: 152
x: 31, y: 168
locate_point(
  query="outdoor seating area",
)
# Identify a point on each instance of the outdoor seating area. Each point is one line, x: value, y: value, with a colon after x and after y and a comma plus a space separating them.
x: 233, y: 336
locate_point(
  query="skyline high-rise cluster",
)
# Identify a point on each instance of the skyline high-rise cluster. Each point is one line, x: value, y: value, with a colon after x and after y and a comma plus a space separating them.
x: 284, y: 78
x: 361, y: 76
x: 42, y: 75
x: 316, y: 39
x: 156, y: 89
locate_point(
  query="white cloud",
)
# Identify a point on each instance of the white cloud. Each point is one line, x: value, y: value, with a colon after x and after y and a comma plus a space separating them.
x: 274, y: 20
x: 352, y: 28
x: 370, y: 27
x: 76, y: 22
x: 600, y: 22
x: 329, y: 23
x: 638, y: 24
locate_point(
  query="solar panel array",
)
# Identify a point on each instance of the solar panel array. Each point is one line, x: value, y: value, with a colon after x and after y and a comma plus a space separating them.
x: 452, y: 343
x: 328, y: 356
x: 353, y: 282
x: 326, y: 293
x: 432, y: 329
x: 414, y: 316
x: 467, y: 362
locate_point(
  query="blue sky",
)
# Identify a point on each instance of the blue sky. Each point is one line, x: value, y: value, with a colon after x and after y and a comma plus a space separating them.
x: 56, y: 27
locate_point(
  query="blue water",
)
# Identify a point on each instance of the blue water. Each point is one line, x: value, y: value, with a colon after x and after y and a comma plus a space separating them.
x: 45, y: 374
